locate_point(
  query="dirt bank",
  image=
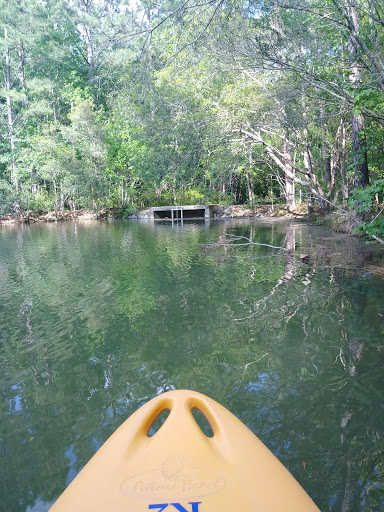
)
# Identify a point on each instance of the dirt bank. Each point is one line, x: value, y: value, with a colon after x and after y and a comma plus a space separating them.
x: 344, y: 224
x: 32, y: 217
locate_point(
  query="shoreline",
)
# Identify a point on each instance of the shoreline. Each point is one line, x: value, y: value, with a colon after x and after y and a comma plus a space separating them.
x: 333, y: 221
x: 231, y: 211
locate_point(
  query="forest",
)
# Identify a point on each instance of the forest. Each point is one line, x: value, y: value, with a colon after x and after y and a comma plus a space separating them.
x: 120, y: 104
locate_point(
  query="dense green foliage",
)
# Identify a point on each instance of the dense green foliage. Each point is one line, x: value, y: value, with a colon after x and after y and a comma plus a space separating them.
x: 115, y: 104
x: 364, y: 200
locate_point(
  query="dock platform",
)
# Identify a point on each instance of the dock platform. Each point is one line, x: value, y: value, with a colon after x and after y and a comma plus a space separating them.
x: 188, y: 212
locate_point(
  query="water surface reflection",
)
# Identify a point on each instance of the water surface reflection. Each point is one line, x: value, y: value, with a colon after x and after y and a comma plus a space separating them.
x: 97, y: 318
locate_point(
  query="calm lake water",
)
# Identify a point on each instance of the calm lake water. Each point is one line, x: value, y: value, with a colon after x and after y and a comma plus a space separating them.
x: 96, y: 318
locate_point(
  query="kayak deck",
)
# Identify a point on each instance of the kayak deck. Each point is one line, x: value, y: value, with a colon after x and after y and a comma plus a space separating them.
x: 180, y: 468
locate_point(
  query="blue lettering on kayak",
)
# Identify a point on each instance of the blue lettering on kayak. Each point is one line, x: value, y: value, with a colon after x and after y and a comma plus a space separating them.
x: 180, y: 508
x: 162, y: 506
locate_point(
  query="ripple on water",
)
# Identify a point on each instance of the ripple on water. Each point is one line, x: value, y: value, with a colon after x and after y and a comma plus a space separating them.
x: 97, y: 319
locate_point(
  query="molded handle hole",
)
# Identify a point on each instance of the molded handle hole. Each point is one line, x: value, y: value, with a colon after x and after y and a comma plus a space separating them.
x: 203, y: 422
x: 158, y: 423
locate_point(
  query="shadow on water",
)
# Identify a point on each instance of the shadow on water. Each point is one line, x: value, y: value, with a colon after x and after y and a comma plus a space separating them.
x: 98, y: 317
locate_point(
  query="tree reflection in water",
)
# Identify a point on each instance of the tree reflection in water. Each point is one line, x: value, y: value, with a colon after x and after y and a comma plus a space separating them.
x: 97, y: 318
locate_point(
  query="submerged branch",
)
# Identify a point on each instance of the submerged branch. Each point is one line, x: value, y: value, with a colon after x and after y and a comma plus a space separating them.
x: 245, y: 367
x: 377, y: 216
x: 380, y: 240
x: 231, y: 240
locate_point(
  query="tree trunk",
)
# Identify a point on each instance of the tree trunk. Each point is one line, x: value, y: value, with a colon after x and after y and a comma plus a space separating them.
x: 327, y: 165
x: 11, y: 133
x: 307, y: 167
x: 249, y: 187
x: 21, y: 66
x: 88, y: 41
x: 284, y: 161
x: 326, y: 156
x: 289, y: 182
x: 306, y: 154
x: 61, y: 197
x: 91, y: 64
x: 309, y: 201
x: 343, y: 163
x: 360, y: 160
x: 325, y: 150
x: 22, y: 73
x: 56, y: 197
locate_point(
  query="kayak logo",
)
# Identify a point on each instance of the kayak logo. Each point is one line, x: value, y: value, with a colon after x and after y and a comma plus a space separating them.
x: 177, y: 506
x: 179, y: 477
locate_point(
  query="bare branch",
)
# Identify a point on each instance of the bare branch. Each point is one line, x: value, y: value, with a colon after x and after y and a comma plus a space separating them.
x: 232, y: 240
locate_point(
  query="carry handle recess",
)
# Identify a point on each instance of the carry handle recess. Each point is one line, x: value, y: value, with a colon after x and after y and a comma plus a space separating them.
x: 181, y: 406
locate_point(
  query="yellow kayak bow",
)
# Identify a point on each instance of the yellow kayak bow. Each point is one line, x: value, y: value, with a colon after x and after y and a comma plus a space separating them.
x: 180, y: 469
